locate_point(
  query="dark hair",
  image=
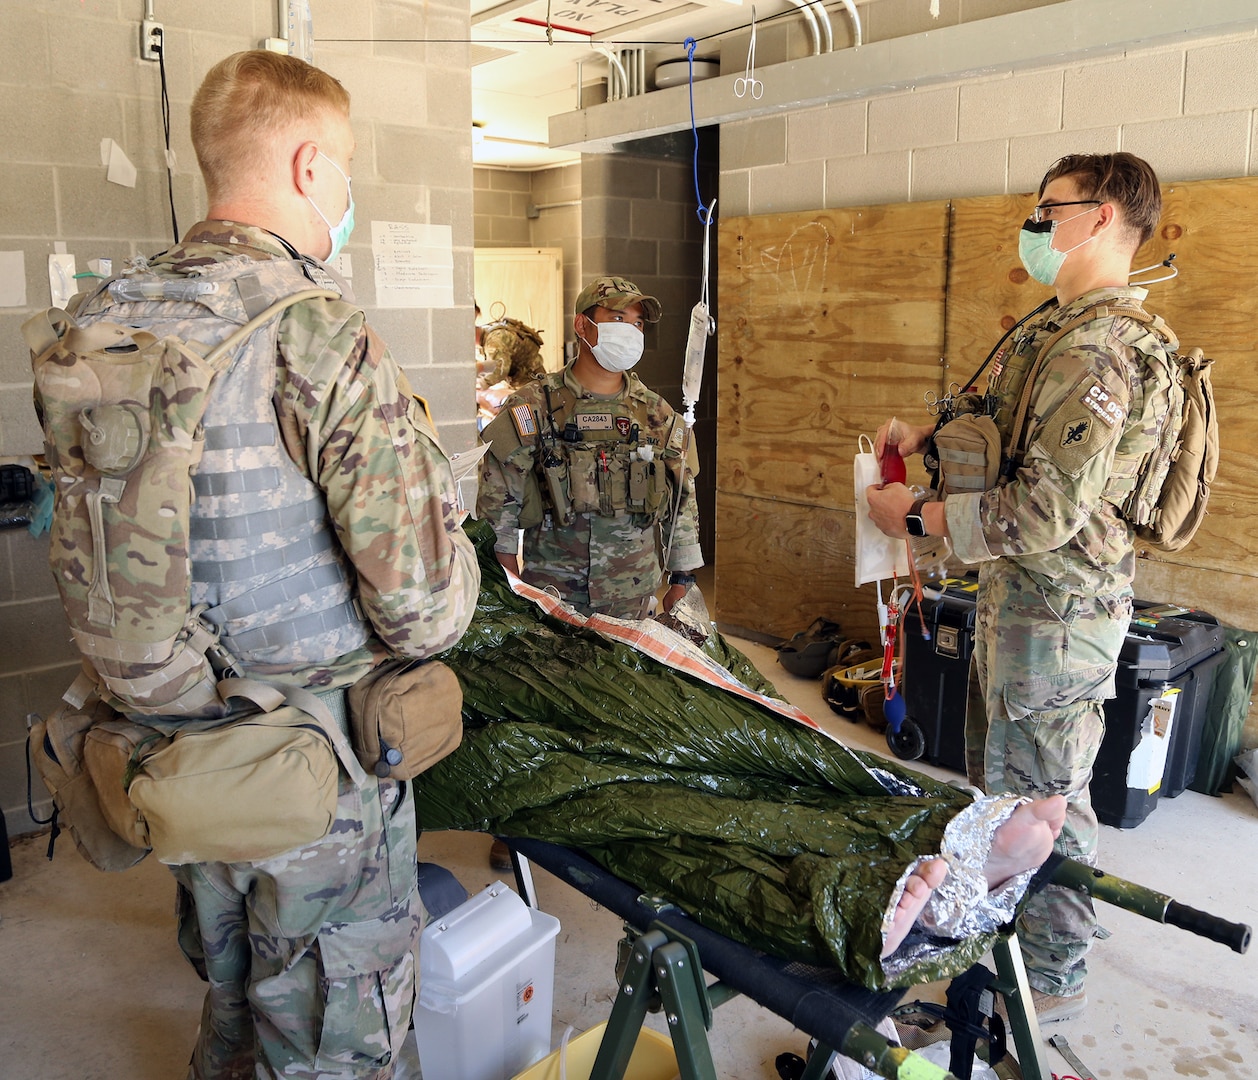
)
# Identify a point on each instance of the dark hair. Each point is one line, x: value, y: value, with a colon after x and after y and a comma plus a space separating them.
x: 1123, y: 179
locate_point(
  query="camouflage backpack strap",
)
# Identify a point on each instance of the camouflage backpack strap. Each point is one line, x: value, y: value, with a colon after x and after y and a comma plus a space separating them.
x: 1020, y: 429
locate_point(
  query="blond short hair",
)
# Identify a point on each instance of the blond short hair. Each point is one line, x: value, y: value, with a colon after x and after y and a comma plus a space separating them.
x: 244, y: 102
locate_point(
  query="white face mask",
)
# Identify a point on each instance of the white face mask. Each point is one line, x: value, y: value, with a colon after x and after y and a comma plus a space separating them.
x: 619, y: 346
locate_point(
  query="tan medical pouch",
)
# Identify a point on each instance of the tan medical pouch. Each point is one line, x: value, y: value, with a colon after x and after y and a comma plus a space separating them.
x: 243, y: 792
x: 405, y: 716
x: 57, y: 749
x: 968, y: 449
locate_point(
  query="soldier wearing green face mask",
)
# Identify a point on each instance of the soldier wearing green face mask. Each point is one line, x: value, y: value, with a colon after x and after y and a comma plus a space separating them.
x: 322, y: 539
x: 1056, y: 554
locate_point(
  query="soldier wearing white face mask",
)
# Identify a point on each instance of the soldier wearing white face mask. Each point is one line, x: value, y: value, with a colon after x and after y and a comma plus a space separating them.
x: 587, y: 461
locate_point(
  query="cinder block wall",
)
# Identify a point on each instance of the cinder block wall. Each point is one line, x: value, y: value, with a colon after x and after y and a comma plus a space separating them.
x: 71, y: 75
x: 502, y: 199
x: 1191, y: 111
x: 560, y: 226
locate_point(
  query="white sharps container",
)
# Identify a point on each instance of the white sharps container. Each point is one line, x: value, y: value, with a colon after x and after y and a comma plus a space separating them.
x: 486, y: 986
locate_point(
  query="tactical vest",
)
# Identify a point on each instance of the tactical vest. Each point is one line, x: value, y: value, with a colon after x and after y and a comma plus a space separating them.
x: 268, y: 582
x: 597, y: 456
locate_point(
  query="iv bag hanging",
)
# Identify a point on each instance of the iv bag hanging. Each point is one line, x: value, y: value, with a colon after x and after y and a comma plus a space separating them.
x: 701, y: 328
x: 299, y: 26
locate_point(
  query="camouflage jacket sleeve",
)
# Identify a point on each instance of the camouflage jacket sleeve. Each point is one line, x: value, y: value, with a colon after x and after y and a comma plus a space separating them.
x: 1083, y: 398
x: 685, y: 554
x: 347, y: 413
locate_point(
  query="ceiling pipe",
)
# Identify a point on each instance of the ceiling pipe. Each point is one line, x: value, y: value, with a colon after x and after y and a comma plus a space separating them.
x: 823, y: 21
x: 805, y: 9
x: 615, y: 89
x: 850, y: 5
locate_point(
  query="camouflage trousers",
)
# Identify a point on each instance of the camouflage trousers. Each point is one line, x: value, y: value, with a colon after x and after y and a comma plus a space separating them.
x: 309, y: 956
x: 608, y: 565
x: 1045, y: 661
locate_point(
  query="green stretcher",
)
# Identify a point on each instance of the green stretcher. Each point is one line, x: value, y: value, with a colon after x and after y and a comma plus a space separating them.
x: 665, y: 955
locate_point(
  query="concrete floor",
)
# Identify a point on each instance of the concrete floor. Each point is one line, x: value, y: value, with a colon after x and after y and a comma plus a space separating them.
x: 93, y: 988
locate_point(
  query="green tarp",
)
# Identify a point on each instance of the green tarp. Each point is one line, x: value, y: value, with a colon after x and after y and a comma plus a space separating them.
x: 1224, y: 720
x: 758, y: 826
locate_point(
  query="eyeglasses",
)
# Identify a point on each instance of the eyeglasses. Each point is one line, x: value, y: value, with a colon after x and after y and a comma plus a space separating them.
x: 1041, y: 213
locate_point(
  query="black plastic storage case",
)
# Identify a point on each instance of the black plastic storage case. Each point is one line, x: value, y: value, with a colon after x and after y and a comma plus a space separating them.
x: 937, y: 674
x: 1166, y: 648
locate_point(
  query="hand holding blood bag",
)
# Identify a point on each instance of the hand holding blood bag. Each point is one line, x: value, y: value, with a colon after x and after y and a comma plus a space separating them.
x: 891, y: 463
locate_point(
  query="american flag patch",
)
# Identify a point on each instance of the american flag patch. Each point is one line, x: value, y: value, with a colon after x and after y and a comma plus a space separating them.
x: 522, y: 416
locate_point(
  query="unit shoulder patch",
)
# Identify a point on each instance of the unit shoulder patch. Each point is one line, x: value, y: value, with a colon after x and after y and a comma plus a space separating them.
x: 1085, y: 423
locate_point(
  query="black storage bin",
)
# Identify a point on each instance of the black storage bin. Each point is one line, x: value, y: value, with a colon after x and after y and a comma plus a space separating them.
x: 936, y: 676
x: 1166, y: 648
x: 1162, y: 651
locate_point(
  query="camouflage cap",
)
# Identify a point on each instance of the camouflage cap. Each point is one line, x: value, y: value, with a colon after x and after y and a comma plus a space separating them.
x: 616, y: 293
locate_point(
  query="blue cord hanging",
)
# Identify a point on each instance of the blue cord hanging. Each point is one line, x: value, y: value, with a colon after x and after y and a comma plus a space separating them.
x: 704, y: 212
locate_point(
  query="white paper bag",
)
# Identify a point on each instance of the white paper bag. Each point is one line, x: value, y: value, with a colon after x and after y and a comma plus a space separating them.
x: 878, y: 556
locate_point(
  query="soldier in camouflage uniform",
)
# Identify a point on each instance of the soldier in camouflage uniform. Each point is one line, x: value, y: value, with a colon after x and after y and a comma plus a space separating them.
x: 514, y: 353
x: 587, y: 462
x: 310, y: 956
x: 1056, y: 556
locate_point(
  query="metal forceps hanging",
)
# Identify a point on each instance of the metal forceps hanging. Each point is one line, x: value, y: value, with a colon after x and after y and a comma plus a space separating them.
x: 748, y: 81
x: 936, y: 404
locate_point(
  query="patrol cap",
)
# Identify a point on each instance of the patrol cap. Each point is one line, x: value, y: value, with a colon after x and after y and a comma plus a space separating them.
x: 617, y: 294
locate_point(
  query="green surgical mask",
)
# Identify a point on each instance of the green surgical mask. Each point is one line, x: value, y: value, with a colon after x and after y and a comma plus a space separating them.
x: 1035, y: 248
x: 338, y: 233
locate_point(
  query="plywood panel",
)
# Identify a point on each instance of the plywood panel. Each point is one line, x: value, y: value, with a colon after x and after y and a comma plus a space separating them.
x: 829, y: 319
x: 780, y: 565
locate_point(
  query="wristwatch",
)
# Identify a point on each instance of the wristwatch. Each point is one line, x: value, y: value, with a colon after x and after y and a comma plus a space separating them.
x: 681, y: 577
x: 914, y: 523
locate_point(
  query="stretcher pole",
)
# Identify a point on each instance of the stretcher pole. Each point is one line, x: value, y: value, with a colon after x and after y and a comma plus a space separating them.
x: 663, y: 969
x: 1072, y: 874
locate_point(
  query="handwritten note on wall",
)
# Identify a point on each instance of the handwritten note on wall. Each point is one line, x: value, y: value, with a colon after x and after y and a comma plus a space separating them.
x: 414, y: 264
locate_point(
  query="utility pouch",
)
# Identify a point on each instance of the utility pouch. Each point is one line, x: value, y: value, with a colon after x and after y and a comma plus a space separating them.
x: 583, y: 465
x: 243, y: 791
x: 405, y: 716
x: 613, y: 486
x: 110, y: 752
x: 56, y: 746
x: 968, y: 450
x: 640, y: 485
x: 555, y: 473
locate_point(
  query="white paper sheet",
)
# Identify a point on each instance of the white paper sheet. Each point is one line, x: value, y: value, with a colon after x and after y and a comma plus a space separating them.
x: 414, y: 264
x: 119, y: 168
